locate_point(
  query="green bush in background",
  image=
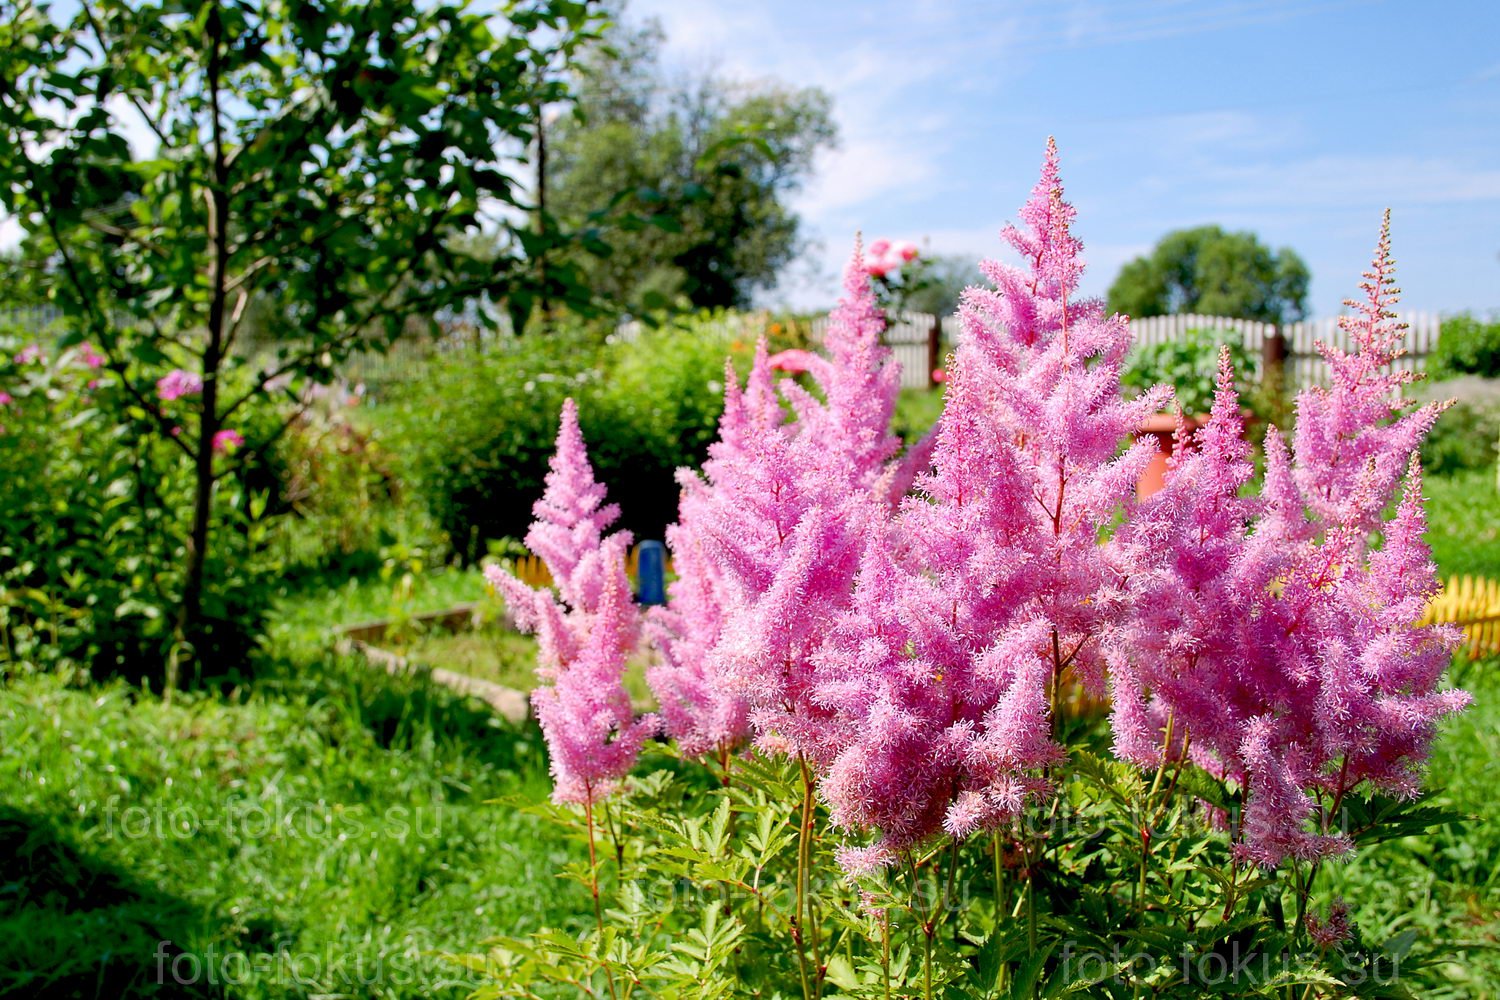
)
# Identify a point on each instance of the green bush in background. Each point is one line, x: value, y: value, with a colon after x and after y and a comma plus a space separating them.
x: 1190, y: 364
x: 476, y: 430
x: 1466, y: 346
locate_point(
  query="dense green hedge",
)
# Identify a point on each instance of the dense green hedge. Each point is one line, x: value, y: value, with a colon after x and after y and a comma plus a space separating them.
x: 476, y: 429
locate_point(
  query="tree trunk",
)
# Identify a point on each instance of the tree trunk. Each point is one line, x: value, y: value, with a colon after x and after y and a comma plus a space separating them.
x: 190, y: 625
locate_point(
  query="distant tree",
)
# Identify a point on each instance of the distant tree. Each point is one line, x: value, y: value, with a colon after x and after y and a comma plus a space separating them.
x: 1207, y: 270
x: 685, y: 180
x: 943, y: 278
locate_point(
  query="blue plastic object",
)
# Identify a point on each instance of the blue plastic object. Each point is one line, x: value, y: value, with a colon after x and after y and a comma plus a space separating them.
x: 652, y: 572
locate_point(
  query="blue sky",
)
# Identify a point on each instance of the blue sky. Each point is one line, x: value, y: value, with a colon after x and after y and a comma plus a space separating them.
x: 1299, y: 121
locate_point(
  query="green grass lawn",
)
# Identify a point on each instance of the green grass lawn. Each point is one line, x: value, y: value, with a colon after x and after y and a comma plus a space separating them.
x: 1463, y: 512
x: 332, y: 834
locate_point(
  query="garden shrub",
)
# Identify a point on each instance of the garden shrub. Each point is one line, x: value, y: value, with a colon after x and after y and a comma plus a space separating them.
x: 348, y: 510
x: 475, y: 431
x: 90, y: 532
x: 1188, y: 364
x: 1466, y: 345
x: 1465, y: 437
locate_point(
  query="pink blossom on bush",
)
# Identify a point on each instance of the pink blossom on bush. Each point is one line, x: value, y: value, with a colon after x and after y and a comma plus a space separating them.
x: 794, y: 361
x: 89, y: 357
x: 992, y: 582
x: 227, y: 442
x: 30, y: 354
x: 6, y: 398
x: 1332, y: 930
x: 178, y: 384
x: 910, y: 649
x: 886, y: 256
x: 767, y: 541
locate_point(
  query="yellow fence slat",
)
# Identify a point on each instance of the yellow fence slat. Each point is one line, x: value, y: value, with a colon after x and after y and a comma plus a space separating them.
x: 1473, y: 604
x: 531, y: 571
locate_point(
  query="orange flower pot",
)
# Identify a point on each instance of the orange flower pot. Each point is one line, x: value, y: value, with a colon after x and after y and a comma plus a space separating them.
x: 1162, y: 427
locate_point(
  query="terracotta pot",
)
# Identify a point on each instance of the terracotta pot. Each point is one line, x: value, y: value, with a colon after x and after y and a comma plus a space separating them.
x: 1163, y: 428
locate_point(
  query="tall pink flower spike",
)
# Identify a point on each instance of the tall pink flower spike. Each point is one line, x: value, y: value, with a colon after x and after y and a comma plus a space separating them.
x: 767, y: 542
x: 1320, y: 681
x: 586, y: 633
x: 992, y: 583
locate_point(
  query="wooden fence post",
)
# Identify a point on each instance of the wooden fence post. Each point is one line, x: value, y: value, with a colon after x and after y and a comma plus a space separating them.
x: 1273, y: 355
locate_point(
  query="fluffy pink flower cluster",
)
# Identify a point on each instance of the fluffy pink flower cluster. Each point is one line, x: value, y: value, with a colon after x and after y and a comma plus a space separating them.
x: 586, y: 632
x: 1272, y: 636
x: 178, y: 384
x: 768, y: 540
x: 989, y: 584
x: 886, y: 256
x: 908, y: 646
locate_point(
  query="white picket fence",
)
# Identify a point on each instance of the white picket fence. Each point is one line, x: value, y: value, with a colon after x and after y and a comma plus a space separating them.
x: 30, y: 319
x: 1304, y: 366
x: 910, y: 340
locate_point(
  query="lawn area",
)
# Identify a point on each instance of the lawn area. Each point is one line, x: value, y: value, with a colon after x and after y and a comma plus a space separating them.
x: 333, y: 829
x: 1463, y: 513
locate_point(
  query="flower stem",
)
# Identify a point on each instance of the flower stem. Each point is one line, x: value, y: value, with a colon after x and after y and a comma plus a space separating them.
x: 588, y: 814
x: 802, y: 931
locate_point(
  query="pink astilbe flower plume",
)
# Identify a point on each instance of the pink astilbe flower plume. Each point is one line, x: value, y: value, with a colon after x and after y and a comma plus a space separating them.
x: 1342, y: 429
x: 1274, y: 632
x: 768, y: 539
x: 586, y: 632
x: 999, y: 584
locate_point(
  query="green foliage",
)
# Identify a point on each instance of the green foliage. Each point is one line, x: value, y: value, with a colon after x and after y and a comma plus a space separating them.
x: 686, y: 183
x: 917, y: 410
x: 1466, y: 345
x: 346, y: 509
x: 709, y: 886
x: 1440, y: 887
x: 1207, y: 270
x: 1189, y: 364
x: 937, y: 282
x: 335, y: 834
x: 91, y: 532
x: 1465, y: 437
x: 324, y: 162
x: 1463, y: 511
x: 476, y: 448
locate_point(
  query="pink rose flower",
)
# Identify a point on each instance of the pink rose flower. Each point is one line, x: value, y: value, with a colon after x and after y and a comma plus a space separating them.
x: 793, y: 361
x: 178, y: 383
x: 227, y: 442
